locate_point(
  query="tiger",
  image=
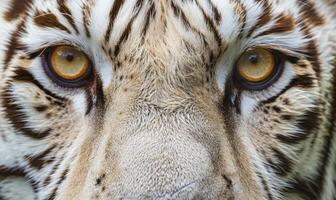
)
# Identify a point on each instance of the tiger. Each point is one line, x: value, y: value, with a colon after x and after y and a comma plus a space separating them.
x: 168, y: 99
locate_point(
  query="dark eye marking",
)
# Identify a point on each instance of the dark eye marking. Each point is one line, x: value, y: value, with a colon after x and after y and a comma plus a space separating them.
x: 14, y: 111
x: 25, y: 76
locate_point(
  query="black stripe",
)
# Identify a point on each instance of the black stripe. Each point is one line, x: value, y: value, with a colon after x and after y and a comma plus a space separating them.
x: 180, y: 14
x: 17, y: 117
x: 314, y: 187
x: 217, y: 15
x: 308, y: 124
x: 150, y: 14
x: 100, y: 99
x: 40, y: 160
x: 263, y: 19
x: 14, y: 112
x: 17, y: 8
x: 86, y: 22
x: 25, y: 76
x: 283, y: 165
x: 311, y: 50
x: 52, y: 196
x: 283, y: 23
x: 241, y: 12
x: 52, y: 171
x: 266, y: 186
x: 98, y: 96
x: 13, y: 44
x: 300, y: 81
x: 211, y: 25
x: 65, y: 11
x: 12, y: 171
x: 113, y: 14
x: 128, y: 28
x: 310, y: 13
x: 49, y: 20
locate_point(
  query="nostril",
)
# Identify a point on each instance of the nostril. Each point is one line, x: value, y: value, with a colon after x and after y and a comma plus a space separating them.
x: 184, y: 189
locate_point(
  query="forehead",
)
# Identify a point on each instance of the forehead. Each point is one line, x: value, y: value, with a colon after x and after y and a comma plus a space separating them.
x: 109, y: 17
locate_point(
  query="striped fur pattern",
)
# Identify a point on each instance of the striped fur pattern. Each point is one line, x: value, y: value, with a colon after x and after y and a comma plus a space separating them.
x: 163, y: 119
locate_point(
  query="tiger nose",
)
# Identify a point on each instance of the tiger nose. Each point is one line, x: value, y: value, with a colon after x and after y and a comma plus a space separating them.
x: 167, y: 166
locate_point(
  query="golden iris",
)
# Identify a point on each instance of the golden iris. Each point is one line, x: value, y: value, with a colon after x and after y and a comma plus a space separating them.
x: 256, y: 65
x: 69, y: 63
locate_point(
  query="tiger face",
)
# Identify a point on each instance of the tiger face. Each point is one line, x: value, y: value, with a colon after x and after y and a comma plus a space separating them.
x: 167, y: 99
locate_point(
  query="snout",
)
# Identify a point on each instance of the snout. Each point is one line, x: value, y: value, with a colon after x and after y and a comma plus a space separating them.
x: 168, y: 161
x: 165, y: 165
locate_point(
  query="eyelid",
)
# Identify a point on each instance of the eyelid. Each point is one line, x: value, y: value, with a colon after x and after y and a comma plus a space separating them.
x: 289, y: 53
x: 39, y: 51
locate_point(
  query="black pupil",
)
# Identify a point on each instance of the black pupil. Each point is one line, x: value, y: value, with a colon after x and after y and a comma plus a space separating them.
x: 254, y: 59
x: 69, y: 56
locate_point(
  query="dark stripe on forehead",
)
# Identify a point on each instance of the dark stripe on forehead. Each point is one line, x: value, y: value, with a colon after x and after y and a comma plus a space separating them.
x: 113, y: 14
x: 309, y: 13
x: 17, y: 8
x: 211, y: 25
x: 86, y: 17
x: 65, y: 11
x: 217, y: 15
x: 180, y: 14
x: 283, y: 23
x: 128, y: 28
x: 241, y: 12
x: 150, y: 15
x: 263, y: 19
x: 49, y: 20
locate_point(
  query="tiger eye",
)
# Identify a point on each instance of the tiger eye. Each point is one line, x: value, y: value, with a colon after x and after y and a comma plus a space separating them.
x: 256, y: 65
x: 69, y: 63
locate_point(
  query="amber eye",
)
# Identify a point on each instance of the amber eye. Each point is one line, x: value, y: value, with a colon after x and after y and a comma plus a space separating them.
x: 67, y: 65
x: 257, y: 67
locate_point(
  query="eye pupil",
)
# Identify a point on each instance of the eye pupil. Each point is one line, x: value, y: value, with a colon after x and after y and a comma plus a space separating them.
x: 254, y: 59
x: 70, y: 57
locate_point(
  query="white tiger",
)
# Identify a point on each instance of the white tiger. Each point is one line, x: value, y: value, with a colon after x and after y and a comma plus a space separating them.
x: 167, y: 99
